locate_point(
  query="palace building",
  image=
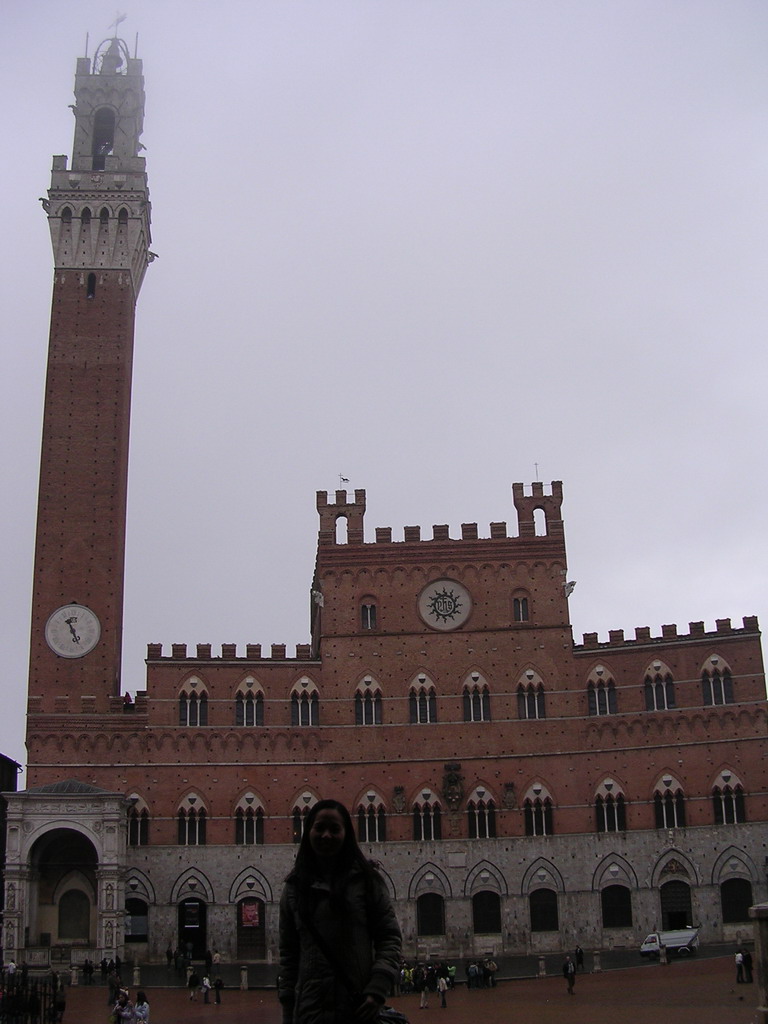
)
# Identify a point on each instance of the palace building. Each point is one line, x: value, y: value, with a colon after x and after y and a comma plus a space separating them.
x: 520, y: 791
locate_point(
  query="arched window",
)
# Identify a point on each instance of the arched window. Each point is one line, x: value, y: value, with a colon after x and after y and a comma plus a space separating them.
x: 659, y: 689
x: 85, y: 216
x: 735, y: 900
x: 537, y: 815
x: 716, y: 687
x: 103, y: 137
x: 191, y: 823
x: 728, y: 804
x: 299, y: 815
x: 669, y: 804
x: 601, y: 695
x: 249, y: 703
x: 616, y: 905
x: 138, y: 824
x: 372, y: 821
x: 90, y: 287
x: 520, y: 609
x: 481, y: 815
x: 426, y: 819
x: 249, y: 822
x: 193, y: 703
x: 530, y: 701
x: 305, y: 704
x: 422, y: 702
x: 430, y: 914
x: 486, y: 913
x: 543, y: 909
x: 122, y: 217
x: 368, y: 703
x: 104, y: 215
x: 476, y: 699
x: 610, y: 812
x: 66, y: 215
x: 368, y: 614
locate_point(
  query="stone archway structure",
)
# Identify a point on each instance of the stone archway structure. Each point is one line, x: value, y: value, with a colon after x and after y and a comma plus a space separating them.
x: 64, y: 838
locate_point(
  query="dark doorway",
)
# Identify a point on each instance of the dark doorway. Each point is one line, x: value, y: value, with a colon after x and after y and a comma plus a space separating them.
x: 192, y: 928
x: 676, y: 905
x: 251, y: 929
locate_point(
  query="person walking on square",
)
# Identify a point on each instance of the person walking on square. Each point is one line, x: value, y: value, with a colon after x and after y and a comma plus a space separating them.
x: 442, y: 988
x: 579, y: 957
x: 569, y: 973
x: 739, y: 958
x: 340, y: 943
x: 747, y: 959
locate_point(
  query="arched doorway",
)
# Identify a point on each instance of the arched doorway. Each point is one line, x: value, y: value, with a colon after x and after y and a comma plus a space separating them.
x: 63, y: 867
x: 251, y: 929
x: 192, y: 928
x: 676, y: 911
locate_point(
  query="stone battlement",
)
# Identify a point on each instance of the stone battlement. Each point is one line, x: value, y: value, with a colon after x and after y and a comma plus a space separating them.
x: 669, y: 633
x: 549, y: 506
x: 228, y: 653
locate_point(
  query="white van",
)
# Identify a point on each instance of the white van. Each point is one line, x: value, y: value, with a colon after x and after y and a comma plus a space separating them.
x: 683, y: 942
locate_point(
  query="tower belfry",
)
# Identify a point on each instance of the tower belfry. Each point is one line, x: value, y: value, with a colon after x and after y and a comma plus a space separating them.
x: 99, y: 216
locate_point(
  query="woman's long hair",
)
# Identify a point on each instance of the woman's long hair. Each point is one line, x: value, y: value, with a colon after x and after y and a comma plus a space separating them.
x: 350, y: 857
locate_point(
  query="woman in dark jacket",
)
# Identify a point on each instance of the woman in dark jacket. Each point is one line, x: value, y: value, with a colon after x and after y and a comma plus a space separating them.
x: 339, y: 938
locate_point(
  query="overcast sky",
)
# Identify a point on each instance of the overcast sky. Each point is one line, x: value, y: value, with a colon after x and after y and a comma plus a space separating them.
x: 431, y: 246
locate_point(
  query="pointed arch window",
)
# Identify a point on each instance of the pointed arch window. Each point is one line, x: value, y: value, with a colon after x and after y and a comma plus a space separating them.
x: 191, y: 822
x: 520, y: 611
x: 305, y: 704
x: 122, y: 217
x: 610, y: 812
x: 422, y: 702
x: 249, y: 704
x: 476, y: 699
x: 371, y: 820
x: 659, y: 690
x: 299, y: 815
x: 481, y: 815
x: 66, y: 215
x: 249, y: 821
x: 716, y: 687
x: 669, y: 804
x: 537, y: 812
x: 138, y: 823
x: 104, y: 215
x: 193, y: 703
x: 427, y: 824
x: 728, y: 802
x: 368, y: 703
x: 531, y: 700
x: 601, y: 693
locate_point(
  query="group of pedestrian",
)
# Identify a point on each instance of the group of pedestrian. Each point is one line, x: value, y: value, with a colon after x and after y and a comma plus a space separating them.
x: 125, y: 1011
x: 481, y: 973
x: 743, y: 960
x: 203, y: 985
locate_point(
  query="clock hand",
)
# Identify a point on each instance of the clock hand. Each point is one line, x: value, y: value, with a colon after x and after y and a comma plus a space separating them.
x: 75, y: 637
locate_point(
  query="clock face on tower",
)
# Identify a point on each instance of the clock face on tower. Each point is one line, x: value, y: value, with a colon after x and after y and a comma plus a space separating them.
x: 72, y: 631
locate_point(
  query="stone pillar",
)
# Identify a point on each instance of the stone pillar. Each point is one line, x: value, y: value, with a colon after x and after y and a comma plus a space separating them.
x: 542, y: 967
x: 136, y: 976
x: 244, y: 979
x: 596, y: 965
x: 759, y: 915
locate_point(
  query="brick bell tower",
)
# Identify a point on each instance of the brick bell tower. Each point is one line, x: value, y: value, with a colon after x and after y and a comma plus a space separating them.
x: 99, y: 216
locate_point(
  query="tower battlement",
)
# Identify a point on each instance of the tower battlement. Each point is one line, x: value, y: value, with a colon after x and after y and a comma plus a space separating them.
x: 526, y: 505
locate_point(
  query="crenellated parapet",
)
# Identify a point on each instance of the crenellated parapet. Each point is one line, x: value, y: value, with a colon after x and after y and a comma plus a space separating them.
x: 229, y: 652
x: 526, y: 505
x: 669, y: 634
